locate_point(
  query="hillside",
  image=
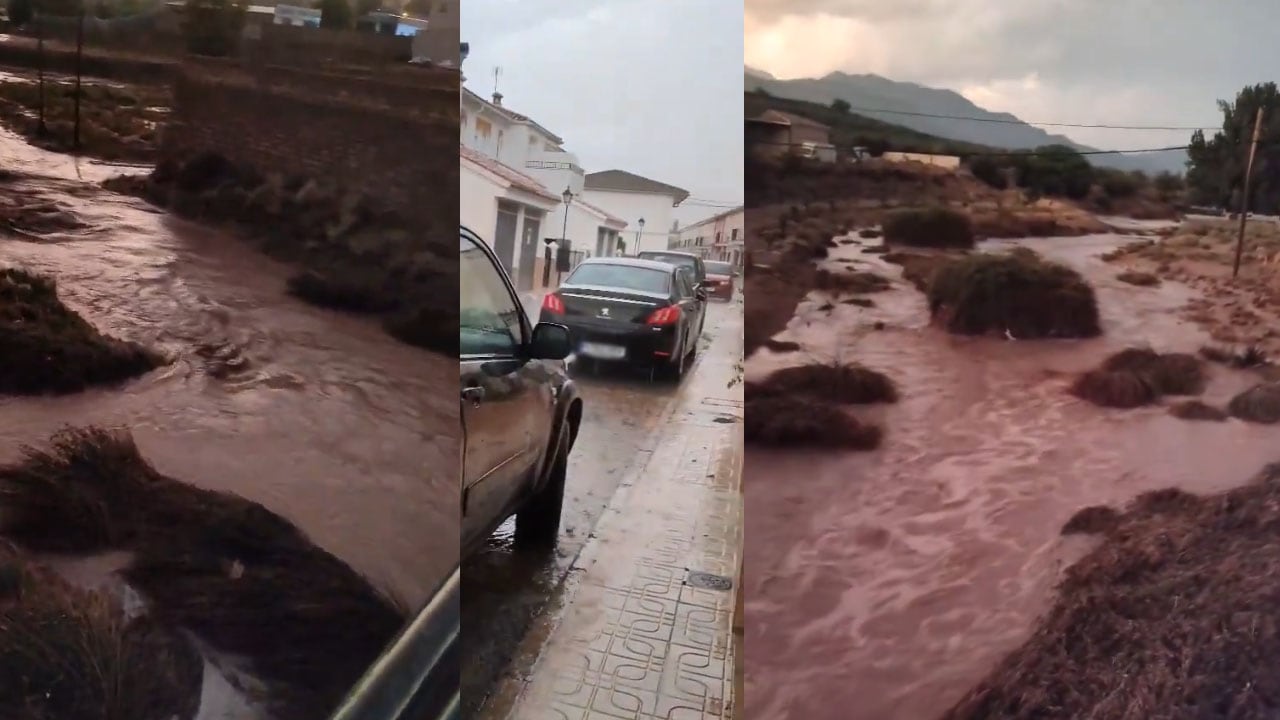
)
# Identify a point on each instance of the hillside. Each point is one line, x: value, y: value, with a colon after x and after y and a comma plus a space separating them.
x: 850, y: 129
x: 873, y: 91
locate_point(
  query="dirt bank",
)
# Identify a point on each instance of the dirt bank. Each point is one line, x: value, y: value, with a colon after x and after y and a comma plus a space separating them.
x: 1171, y: 616
x: 1200, y: 254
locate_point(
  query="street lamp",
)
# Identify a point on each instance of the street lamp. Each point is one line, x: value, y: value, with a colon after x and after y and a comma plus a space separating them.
x: 567, y: 196
x: 639, y: 230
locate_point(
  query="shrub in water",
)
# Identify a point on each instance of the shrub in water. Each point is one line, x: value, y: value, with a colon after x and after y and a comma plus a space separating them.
x: 835, y: 382
x: 1018, y: 294
x: 802, y: 422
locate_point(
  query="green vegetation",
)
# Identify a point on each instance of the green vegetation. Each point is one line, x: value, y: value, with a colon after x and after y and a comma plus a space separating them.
x: 1017, y: 294
x: 336, y: 14
x: 1215, y: 172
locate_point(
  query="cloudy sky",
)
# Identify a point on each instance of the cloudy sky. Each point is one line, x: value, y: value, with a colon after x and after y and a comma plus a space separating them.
x: 653, y: 87
x: 1119, y: 62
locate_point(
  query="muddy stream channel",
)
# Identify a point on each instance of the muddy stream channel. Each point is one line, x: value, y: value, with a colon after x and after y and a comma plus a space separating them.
x: 321, y: 417
x: 885, y: 584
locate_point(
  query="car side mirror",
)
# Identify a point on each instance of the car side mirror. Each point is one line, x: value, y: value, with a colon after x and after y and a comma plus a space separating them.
x: 700, y: 293
x: 550, y: 342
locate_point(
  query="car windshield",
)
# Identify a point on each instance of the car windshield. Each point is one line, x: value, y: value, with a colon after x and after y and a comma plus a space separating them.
x: 626, y: 277
x: 715, y: 267
x: 670, y: 259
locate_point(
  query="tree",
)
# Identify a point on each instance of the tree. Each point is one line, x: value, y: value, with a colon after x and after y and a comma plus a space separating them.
x: 986, y: 169
x: 1056, y: 170
x: 1215, y: 167
x: 1168, y: 186
x: 21, y: 12
x: 212, y: 27
x: 336, y: 14
x: 364, y: 7
x: 877, y: 147
x: 840, y: 105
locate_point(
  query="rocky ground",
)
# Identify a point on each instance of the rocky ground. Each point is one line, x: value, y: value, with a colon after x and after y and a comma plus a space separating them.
x: 1244, y: 311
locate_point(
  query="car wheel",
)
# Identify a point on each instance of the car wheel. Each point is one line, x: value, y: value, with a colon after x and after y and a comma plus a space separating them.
x: 674, y: 370
x: 538, y: 522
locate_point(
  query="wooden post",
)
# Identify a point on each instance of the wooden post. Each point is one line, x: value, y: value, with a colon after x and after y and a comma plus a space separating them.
x: 43, y: 129
x: 1244, y: 195
x: 79, y: 72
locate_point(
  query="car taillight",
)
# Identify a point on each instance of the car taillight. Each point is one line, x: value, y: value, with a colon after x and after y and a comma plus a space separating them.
x: 552, y: 303
x: 664, y: 316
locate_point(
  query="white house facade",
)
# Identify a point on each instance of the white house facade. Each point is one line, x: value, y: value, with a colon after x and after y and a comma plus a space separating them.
x: 719, y: 237
x: 515, y: 180
x: 647, y: 206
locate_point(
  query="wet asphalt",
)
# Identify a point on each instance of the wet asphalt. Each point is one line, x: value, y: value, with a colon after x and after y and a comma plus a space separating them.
x: 509, y: 594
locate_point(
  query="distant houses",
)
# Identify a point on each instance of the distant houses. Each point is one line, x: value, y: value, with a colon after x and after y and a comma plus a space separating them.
x: 776, y: 133
x: 719, y: 237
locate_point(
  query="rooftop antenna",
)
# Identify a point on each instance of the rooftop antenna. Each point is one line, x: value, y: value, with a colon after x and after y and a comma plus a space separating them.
x: 497, y: 96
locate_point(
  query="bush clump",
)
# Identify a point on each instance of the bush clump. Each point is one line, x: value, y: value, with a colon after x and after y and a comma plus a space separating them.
x: 855, y: 282
x: 1258, y: 404
x: 1169, y: 618
x: 1115, y: 388
x: 1168, y: 373
x: 869, y: 234
x: 1016, y: 294
x: 802, y: 422
x: 835, y: 382
x: 929, y: 227
x: 1197, y: 410
x: 1141, y: 279
x: 47, y: 348
x: 1093, y: 520
x: 243, y: 579
x: 70, y: 653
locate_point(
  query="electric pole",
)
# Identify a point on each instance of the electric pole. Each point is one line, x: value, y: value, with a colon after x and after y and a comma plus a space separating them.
x: 1244, y: 195
x: 79, y: 72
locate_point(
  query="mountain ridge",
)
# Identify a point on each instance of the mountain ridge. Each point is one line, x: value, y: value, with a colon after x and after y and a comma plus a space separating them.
x: 880, y: 93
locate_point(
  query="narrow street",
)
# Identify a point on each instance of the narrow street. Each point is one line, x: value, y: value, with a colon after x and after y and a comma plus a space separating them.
x: 514, y: 598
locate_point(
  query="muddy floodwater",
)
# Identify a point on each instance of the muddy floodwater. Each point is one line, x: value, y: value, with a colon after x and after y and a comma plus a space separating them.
x: 884, y: 585
x: 321, y: 417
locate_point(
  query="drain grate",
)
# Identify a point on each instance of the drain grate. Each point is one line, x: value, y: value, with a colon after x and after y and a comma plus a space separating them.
x: 708, y: 581
x: 725, y: 419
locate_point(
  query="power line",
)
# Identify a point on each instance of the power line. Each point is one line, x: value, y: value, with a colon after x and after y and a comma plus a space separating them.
x: 1003, y: 121
x: 1012, y: 153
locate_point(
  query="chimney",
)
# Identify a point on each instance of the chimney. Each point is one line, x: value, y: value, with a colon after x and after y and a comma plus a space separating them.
x: 497, y: 98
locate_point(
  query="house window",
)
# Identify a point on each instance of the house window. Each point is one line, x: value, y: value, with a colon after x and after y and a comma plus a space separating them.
x: 499, y: 151
x: 483, y: 129
x: 718, y: 236
x: 733, y: 235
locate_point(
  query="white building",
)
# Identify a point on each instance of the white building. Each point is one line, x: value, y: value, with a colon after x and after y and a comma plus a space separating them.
x: 515, y: 178
x: 719, y: 237
x: 646, y: 205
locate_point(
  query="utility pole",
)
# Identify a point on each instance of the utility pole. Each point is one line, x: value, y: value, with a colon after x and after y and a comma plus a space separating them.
x: 79, y: 73
x: 1244, y: 196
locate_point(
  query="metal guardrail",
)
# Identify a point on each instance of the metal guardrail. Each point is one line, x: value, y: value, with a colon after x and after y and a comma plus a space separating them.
x: 417, y: 678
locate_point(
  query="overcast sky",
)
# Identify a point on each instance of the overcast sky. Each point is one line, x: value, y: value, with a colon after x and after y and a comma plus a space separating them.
x: 1119, y: 62
x: 647, y: 86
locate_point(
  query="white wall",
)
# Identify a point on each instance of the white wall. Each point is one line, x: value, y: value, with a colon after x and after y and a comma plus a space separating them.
x: 656, y: 210
x: 477, y: 201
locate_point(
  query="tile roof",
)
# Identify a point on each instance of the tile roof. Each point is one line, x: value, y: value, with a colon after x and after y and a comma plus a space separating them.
x: 623, y: 181
x: 515, y: 177
x: 777, y: 117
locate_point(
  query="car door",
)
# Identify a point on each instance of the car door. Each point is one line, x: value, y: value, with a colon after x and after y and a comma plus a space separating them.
x: 683, y: 294
x: 695, y: 308
x: 500, y: 404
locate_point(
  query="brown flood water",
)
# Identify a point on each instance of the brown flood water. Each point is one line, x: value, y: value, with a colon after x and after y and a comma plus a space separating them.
x: 330, y: 422
x: 884, y: 585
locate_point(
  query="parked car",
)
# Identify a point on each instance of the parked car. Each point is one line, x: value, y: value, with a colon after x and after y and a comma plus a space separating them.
x: 520, y: 409
x: 683, y: 259
x: 720, y: 277
x: 630, y: 310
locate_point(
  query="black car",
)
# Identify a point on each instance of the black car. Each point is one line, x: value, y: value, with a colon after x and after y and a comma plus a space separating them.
x: 681, y: 259
x: 630, y: 310
x: 520, y: 410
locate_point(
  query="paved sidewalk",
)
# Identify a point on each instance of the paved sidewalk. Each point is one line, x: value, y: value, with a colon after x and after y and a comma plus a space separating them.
x: 647, y: 633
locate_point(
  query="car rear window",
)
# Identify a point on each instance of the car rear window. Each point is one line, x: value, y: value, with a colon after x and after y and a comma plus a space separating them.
x: 625, y: 277
x: 679, y: 260
x: 715, y: 267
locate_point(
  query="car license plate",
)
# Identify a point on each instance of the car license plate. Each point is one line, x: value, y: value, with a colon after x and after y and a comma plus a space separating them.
x: 603, y: 352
